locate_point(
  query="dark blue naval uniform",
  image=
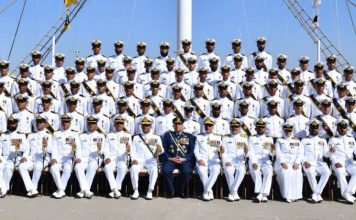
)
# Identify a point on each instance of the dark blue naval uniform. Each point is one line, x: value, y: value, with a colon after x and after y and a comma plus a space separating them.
x: 171, y: 150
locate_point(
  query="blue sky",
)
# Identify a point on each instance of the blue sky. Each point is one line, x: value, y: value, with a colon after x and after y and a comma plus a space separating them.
x: 154, y: 21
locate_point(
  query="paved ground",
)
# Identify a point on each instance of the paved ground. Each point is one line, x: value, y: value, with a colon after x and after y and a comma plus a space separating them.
x: 14, y: 207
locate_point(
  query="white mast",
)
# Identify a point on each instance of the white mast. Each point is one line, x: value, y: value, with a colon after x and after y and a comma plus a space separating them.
x: 53, y: 50
x: 184, y: 20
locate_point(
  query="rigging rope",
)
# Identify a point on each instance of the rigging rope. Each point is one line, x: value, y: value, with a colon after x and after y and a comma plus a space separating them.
x: 17, y: 29
x: 348, y: 9
x: 352, y: 3
x: 7, y: 6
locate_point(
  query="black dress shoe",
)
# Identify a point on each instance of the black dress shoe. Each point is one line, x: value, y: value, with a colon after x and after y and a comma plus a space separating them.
x: 182, y: 195
x: 170, y: 196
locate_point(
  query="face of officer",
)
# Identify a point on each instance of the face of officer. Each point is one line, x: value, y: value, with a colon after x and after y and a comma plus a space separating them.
x: 119, y: 126
x: 298, y: 89
x: 167, y: 109
x: 216, y: 112
x: 155, y: 75
x: 96, y: 49
x: 23, y: 88
x: 247, y: 92
x: 260, y: 130
x: 243, y: 110
x: 235, y: 129
x: 141, y: 50
x: 154, y: 90
x: 259, y: 64
x: 21, y: 105
x: 331, y: 65
x: 97, y: 107
x: 79, y: 67
x: 46, y: 89
x: 238, y: 64
x: 65, y: 125
x: 74, y: 89
x: 46, y: 105
x: 72, y: 106
x: 179, y: 77
x: 313, y: 130
x: 92, y: 127
x: 261, y: 46
x: 122, y: 108
x: 129, y: 91
x: 146, y: 128
x: 342, y: 130
x: 210, y: 47
x: 188, y: 114
x: 131, y: 75
x: 348, y: 76
x: 223, y: 93
x: 70, y: 75
x: 281, y: 63
x: 214, y: 66
x: 164, y: 51
x: 319, y: 72
x: 288, y: 133
x: 24, y: 73
x: 90, y: 75
x: 36, y: 60
x: 4, y: 70
x: 12, y: 126
x: 178, y: 127
x: 118, y: 49
x: 40, y: 125
x: 170, y: 66
x: 59, y: 62
x: 249, y: 76
x: 177, y: 94
x: 298, y: 109
x: 320, y: 89
x: 342, y: 93
x: 303, y: 65
x: 325, y: 109
x: 209, y: 129
x: 225, y: 74
x: 109, y: 75
x: 198, y: 93
x: 236, y: 48
x: 101, y: 88
x: 192, y: 65
x: 145, y: 108
x: 186, y: 48
x: 272, y: 110
x: 350, y: 107
x: 202, y: 76
x: 101, y: 68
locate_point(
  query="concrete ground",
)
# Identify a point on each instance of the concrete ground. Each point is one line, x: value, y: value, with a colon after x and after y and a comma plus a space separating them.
x: 15, y: 207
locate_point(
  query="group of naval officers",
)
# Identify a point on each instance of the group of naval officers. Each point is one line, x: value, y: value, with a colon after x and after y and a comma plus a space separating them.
x: 206, y: 113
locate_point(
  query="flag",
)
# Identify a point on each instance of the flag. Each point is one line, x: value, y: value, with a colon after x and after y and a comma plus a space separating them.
x: 315, y: 23
x: 66, y: 24
x: 316, y: 3
x: 69, y: 3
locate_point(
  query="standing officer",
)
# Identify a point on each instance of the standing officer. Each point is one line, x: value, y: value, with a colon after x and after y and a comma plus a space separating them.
x: 234, y: 158
x: 207, y: 153
x: 146, y: 148
x: 178, y: 154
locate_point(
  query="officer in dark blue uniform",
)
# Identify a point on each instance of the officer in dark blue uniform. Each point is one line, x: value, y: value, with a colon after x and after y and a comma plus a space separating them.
x: 178, y: 154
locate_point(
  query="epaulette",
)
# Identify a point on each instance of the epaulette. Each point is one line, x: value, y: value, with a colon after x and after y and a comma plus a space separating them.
x: 138, y: 115
x: 41, y: 65
x: 32, y: 65
x: 243, y: 135
x: 19, y: 132
x: 254, y: 54
x: 204, y: 54
x: 29, y: 111
x: 48, y: 132
x: 106, y: 116
x: 81, y: 95
x: 229, y: 55
x: 112, y: 56
x: 89, y: 56
x: 295, y: 138
x: 78, y: 112
x: 243, y: 55
x: 54, y: 112
x: 74, y: 130
x: 158, y: 57
x: 135, y: 57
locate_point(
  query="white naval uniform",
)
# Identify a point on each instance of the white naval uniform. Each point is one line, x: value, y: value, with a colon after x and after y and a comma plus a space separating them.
x: 77, y: 121
x: 103, y: 122
x: 52, y: 119
x: 138, y: 62
x: 221, y: 126
x: 40, y: 155
x: 32, y: 86
x: 227, y: 108
x: 335, y: 76
x: 300, y: 125
x: 62, y: 153
x: 116, y: 61
x: 92, y: 60
x: 290, y: 151
x: 25, y: 119
x: 203, y: 60
x: 253, y: 107
x: 234, y: 153
x: 59, y: 74
x: 161, y: 64
x: 3, y: 122
x: 229, y: 60
x: 91, y: 158
x: 37, y: 72
x: 314, y: 150
x: 237, y: 75
x: 11, y: 160
x: 261, y: 77
x: 265, y: 55
x: 330, y: 121
x: 119, y: 144
x: 129, y: 124
x: 142, y: 153
x: 6, y: 104
x: 164, y: 123
x: 274, y: 125
x: 191, y: 77
x: 260, y: 152
x: 191, y: 126
x: 204, y: 106
x: 138, y: 119
x: 345, y: 150
x: 180, y: 63
x: 207, y: 148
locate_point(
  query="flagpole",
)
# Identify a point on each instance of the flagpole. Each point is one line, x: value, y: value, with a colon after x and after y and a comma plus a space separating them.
x: 318, y: 50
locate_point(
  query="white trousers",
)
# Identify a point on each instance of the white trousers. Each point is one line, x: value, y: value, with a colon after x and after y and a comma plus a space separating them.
x: 290, y: 182
x: 85, y: 179
x: 121, y: 170
x: 38, y: 166
x: 152, y: 172
x: 23, y: 168
x: 262, y: 185
x: 341, y: 174
x: 64, y: 164
x: 324, y: 171
x: 234, y: 175
x: 208, y: 174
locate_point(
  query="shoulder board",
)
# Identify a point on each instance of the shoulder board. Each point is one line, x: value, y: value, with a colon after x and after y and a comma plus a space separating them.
x: 229, y: 55
x: 30, y: 111
x: 32, y: 65
x: 267, y: 53
x: 54, y: 112
x: 204, y: 53
x: 171, y: 84
x: 48, y: 132
x: 250, y: 116
x: 135, y: 57
x: 89, y: 56
x: 78, y: 112
x: 81, y: 95
x: 20, y: 132
x: 192, y: 53
x: 112, y: 55
x: 73, y: 130
x: 151, y: 115
x: 138, y: 115
x: 103, y: 55
x: 295, y: 138
x: 254, y: 54
x: 106, y: 116
x: 41, y: 65
x: 243, y: 135
x: 158, y: 57
x: 243, y: 55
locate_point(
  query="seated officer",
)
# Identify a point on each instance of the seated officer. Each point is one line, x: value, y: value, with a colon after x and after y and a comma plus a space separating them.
x: 178, y: 154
